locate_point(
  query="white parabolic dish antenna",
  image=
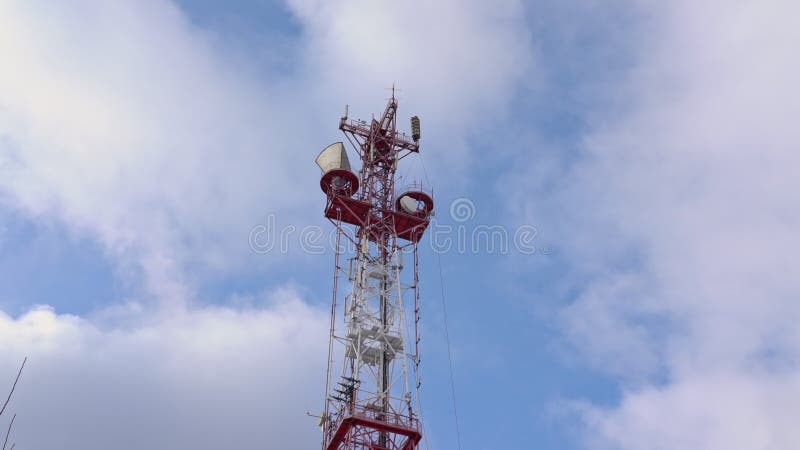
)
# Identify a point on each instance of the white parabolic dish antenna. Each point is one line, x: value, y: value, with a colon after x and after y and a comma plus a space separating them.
x: 333, y: 157
x: 408, y: 204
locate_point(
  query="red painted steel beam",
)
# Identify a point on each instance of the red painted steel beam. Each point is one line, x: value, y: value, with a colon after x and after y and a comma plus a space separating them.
x: 412, y: 434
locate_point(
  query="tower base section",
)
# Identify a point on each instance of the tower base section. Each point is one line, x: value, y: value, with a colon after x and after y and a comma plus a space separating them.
x: 366, y: 429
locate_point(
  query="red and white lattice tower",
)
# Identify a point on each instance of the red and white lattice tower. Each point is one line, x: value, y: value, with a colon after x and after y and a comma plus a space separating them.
x: 371, y: 401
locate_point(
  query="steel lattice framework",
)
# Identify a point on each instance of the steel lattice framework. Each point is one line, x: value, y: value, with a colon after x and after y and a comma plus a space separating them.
x: 373, y: 405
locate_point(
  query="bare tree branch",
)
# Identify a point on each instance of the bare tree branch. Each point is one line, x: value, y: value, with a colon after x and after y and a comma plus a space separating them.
x: 14, y: 386
x: 8, y: 432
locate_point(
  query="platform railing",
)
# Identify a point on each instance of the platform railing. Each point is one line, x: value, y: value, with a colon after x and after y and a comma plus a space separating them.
x: 372, y: 411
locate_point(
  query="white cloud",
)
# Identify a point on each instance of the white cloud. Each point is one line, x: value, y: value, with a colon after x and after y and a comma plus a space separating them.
x: 126, y: 123
x: 204, y: 378
x: 453, y: 57
x: 457, y: 63
x: 685, y: 203
x: 708, y: 411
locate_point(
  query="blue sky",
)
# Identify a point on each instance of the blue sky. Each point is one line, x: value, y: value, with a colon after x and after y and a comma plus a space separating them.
x: 651, y: 145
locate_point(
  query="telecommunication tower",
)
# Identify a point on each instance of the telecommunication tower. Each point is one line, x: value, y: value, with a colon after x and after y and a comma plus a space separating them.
x: 372, y: 403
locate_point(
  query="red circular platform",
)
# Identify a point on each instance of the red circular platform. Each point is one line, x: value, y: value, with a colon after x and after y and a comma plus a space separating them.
x: 424, y: 203
x: 339, y: 181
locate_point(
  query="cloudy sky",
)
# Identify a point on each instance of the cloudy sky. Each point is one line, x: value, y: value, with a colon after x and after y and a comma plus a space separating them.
x: 640, y: 156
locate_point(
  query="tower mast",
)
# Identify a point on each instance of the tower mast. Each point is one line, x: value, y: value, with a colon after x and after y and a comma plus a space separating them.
x: 372, y: 406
